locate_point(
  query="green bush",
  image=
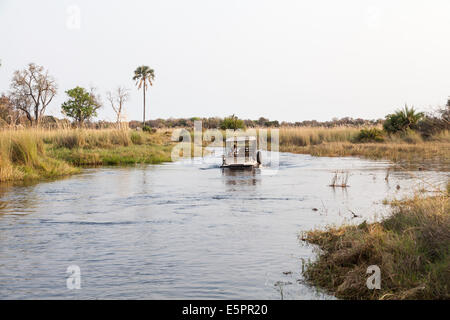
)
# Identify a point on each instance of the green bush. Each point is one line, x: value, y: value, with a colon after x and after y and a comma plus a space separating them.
x: 148, y: 129
x: 233, y: 123
x: 370, y: 135
x: 402, y: 120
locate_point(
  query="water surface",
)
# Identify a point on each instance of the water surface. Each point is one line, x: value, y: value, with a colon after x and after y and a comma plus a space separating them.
x: 183, y: 230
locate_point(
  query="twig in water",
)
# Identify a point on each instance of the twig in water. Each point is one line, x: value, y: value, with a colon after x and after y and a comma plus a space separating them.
x: 340, y: 179
x: 324, y: 208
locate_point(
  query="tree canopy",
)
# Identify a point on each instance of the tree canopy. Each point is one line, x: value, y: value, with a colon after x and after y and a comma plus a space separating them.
x: 144, y: 76
x: 81, y: 105
x: 232, y: 122
x: 32, y: 89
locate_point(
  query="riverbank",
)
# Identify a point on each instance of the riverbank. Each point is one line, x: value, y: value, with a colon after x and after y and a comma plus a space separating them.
x: 409, y: 150
x: 39, y: 154
x: 32, y: 154
x: 411, y: 247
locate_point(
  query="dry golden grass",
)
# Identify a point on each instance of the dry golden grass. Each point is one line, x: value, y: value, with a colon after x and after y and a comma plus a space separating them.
x: 22, y: 156
x: 306, y: 136
x: 409, y: 148
x: 32, y: 153
x: 411, y: 248
x: 421, y: 154
x: 39, y: 153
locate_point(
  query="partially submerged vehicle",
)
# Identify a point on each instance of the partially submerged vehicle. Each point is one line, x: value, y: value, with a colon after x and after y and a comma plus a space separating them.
x: 241, y: 152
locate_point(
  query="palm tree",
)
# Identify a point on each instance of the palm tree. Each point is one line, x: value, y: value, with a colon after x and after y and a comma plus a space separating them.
x: 402, y: 120
x: 144, y: 76
x: 410, y: 116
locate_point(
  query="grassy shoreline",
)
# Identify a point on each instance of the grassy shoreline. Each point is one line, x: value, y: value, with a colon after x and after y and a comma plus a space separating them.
x: 407, y: 150
x: 419, y: 156
x: 34, y: 154
x: 38, y: 153
x: 411, y: 247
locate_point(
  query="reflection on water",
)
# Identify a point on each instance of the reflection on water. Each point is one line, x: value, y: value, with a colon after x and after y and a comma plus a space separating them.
x: 184, y: 230
x: 235, y: 177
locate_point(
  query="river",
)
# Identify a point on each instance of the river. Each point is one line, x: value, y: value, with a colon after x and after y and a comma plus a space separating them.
x: 184, y: 230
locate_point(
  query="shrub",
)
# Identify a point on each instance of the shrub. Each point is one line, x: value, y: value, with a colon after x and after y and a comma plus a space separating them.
x: 81, y: 106
x: 136, y: 138
x: 435, y: 122
x: 370, y: 135
x: 232, y: 122
x: 402, y: 120
x: 431, y: 126
x: 148, y: 129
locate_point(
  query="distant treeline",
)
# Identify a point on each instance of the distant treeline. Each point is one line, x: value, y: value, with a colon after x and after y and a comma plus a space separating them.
x: 14, y: 118
x: 32, y: 89
x: 216, y: 122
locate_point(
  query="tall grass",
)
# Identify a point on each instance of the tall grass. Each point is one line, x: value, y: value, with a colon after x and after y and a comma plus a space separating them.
x: 23, y: 156
x: 443, y: 136
x: 306, y: 136
x: 408, y: 147
x: 83, y: 147
x: 40, y: 153
x: 86, y: 138
x: 411, y: 247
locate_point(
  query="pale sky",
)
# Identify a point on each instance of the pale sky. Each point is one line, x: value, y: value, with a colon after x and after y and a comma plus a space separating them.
x: 285, y: 60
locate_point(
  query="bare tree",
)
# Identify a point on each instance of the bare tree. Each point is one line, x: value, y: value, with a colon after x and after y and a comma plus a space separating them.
x: 8, y: 113
x: 32, y: 89
x: 117, y: 100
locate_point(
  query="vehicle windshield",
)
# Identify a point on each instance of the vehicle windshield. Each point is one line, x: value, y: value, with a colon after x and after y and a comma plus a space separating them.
x: 241, y: 149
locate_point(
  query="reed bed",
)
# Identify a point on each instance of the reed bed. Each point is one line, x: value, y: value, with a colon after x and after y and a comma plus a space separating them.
x: 39, y: 153
x: 422, y: 155
x: 411, y: 247
x: 307, y: 136
x: 23, y: 156
x: 408, y: 148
